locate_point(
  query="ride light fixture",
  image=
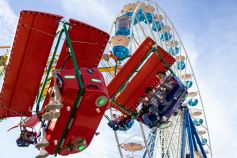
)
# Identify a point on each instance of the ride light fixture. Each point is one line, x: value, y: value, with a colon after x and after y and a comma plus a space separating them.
x: 101, y: 101
x: 81, y: 145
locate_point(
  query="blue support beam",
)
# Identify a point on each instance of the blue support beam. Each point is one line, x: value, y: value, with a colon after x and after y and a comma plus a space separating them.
x: 193, y: 139
x: 183, y: 137
x: 151, y: 145
x: 189, y: 131
x: 193, y: 129
x: 194, y: 143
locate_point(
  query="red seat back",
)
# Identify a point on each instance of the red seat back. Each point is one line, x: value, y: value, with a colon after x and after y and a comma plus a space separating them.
x: 130, y: 66
x: 145, y: 77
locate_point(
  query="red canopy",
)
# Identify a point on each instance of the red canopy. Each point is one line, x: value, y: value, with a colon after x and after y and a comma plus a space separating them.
x: 88, y: 44
x: 32, y: 44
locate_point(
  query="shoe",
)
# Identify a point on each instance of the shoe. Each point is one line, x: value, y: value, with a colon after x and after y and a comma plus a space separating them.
x: 50, y: 115
x: 42, y: 143
x: 43, y: 154
x: 54, y: 105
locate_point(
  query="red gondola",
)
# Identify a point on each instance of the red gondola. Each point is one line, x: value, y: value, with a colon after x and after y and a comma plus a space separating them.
x: 88, y: 114
x: 84, y: 95
x: 73, y: 131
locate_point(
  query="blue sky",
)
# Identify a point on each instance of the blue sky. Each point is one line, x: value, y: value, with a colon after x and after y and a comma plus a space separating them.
x: 208, y: 30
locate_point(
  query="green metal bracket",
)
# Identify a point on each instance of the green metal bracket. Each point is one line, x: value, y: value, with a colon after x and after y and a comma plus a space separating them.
x: 48, y: 71
x: 165, y: 63
x: 124, y: 109
x: 163, y: 60
x: 116, y: 67
x: 81, y: 91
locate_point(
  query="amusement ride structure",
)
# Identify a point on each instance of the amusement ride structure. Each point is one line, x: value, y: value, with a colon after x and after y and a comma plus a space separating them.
x: 138, y: 77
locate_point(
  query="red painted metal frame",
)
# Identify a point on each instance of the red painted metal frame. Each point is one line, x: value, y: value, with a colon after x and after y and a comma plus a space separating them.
x: 88, y: 44
x: 130, y: 66
x: 32, y: 44
x: 86, y: 119
x: 146, y: 77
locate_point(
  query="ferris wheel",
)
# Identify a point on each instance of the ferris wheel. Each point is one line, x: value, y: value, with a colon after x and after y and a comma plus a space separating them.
x: 145, y: 57
x: 135, y: 23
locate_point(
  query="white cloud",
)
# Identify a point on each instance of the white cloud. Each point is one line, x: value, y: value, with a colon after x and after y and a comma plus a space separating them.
x: 98, y: 13
x: 7, y: 23
x: 191, y: 49
x: 216, y: 66
x: 221, y: 125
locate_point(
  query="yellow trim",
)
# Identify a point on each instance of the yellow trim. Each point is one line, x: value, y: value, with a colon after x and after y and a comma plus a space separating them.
x: 5, y: 47
x: 107, y: 69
